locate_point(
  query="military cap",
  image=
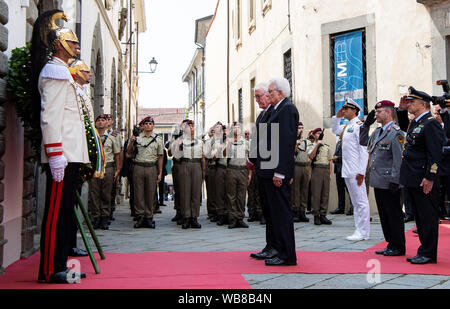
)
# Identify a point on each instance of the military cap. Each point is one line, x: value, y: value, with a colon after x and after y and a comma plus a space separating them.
x: 103, y: 116
x: 108, y: 116
x: 384, y: 103
x: 317, y: 130
x: 147, y: 119
x: 415, y: 94
x: 351, y: 104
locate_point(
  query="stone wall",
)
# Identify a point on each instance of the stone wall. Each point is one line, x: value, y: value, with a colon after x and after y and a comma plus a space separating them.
x: 4, y: 15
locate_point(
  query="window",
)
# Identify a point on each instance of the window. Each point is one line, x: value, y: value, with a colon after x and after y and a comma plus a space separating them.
x: 348, y: 69
x: 266, y: 6
x: 252, y: 101
x: 447, y: 55
x: 287, y: 57
x: 251, y: 16
x: 237, y: 23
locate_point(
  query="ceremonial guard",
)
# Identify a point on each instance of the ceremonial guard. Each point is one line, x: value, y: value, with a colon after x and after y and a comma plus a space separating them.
x: 96, y: 167
x: 418, y: 173
x: 64, y: 145
x: 302, y: 176
x: 385, y: 147
x: 190, y: 151
x: 354, y: 165
x: 221, y: 173
x: 210, y: 178
x: 237, y: 177
x: 147, y: 151
x: 100, y: 188
x: 320, y: 156
x: 253, y: 202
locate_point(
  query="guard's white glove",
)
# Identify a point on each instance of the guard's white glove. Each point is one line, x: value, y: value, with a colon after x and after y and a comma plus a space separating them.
x: 57, y: 167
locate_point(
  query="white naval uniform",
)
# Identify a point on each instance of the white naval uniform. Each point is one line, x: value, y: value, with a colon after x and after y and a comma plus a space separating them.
x: 62, y: 122
x: 354, y: 161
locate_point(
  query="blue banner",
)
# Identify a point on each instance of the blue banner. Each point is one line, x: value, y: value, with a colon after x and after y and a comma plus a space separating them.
x: 348, y: 68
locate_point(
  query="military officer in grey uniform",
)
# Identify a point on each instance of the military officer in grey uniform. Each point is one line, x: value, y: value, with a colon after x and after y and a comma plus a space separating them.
x: 100, y: 189
x: 237, y: 177
x: 148, y: 150
x: 385, y: 147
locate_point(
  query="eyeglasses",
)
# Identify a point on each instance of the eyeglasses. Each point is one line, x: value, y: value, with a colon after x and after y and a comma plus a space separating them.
x: 258, y: 96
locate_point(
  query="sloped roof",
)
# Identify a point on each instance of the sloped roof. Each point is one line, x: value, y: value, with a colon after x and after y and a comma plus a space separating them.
x: 163, y: 116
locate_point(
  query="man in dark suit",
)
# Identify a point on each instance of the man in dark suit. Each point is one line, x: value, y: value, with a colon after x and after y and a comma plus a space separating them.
x: 419, y: 171
x: 275, y: 165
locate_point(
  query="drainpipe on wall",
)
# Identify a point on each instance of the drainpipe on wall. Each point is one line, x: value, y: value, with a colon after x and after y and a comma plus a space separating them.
x: 228, y: 61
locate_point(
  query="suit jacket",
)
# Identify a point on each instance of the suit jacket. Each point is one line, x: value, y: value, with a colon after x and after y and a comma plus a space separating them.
x: 255, y: 138
x: 276, y: 151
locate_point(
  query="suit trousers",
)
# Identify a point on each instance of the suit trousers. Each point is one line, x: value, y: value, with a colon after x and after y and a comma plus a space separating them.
x: 144, y: 180
x: 302, y: 176
x: 426, y: 212
x: 320, y: 191
x: 279, y: 218
x: 391, y: 217
x: 361, y: 207
x: 191, y: 189
x: 100, y: 194
x: 221, y: 193
x: 340, y: 184
x: 253, y: 202
x: 210, y: 181
x: 236, y: 183
x: 58, y: 221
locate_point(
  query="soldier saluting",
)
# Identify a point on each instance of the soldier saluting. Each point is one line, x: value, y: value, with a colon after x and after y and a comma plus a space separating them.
x: 419, y: 170
x: 64, y: 145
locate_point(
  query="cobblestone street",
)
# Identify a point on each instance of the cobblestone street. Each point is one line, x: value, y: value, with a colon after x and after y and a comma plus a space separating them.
x: 168, y: 237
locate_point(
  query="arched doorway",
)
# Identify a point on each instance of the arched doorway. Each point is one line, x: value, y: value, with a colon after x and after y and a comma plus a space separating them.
x: 97, y: 84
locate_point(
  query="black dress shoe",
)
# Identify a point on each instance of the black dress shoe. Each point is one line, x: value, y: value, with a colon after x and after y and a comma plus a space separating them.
x: 422, y: 260
x: 409, y: 259
x: 381, y: 252
x: 409, y: 219
x: 242, y: 224
x: 394, y: 252
x: 337, y: 212
x: 324, y: 220
x: 302, y: 217
x: 276, y: 261
x: 349, y: 213
x: 77, y: 252
x: 264, y: 255
x: 416, y: 232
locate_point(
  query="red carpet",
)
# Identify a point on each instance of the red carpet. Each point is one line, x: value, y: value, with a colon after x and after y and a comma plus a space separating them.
x: 221, y: 270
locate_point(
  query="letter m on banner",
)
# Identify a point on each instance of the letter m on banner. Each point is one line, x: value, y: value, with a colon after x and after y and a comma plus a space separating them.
x: 348, y: 67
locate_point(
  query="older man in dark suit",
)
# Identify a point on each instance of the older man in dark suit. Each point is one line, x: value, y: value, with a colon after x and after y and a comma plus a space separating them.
x: 275, y: 166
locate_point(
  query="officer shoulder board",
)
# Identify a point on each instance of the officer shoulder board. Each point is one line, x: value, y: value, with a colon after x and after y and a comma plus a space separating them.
x: 115, y: 133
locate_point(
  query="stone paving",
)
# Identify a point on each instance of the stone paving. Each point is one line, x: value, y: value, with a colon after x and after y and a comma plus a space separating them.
x: 168, y: 237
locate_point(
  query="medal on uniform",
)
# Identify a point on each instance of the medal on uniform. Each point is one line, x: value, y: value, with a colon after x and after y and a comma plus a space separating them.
x: 350, y: 130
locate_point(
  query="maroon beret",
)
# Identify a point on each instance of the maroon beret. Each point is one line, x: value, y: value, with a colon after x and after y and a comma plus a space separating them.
x: 300, y: 123
x: 147, y: 119
x: 317, y: 130
x: 385, y: 103
x: 103, y: 116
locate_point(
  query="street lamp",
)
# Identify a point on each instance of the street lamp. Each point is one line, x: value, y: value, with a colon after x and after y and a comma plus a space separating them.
x: 153, y: 65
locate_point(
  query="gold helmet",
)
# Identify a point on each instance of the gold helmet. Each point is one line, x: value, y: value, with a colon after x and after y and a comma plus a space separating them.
x: 63, y: 35
x: 77, y: 66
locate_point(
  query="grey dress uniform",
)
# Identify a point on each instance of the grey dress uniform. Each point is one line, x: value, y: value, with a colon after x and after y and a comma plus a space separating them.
x: 385, y: 147
x: 302, y: 176
x: 237, y: 178
x: 100, y: 188
x: 145, y: 173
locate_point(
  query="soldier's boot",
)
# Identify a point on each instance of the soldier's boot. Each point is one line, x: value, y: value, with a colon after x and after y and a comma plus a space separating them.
x: 104, y: 223
x: 296, y: 216
x: 186, y: 223
x: 96, y: 223
x: 242, y: 224
x: 150, y: 223
x: 302, y: 216
x: 317, y: 220
x: 195, y: 224
x: 220, y: 220
x: 140, y: 223
x: 262, y: 220
x: 177, y: 217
